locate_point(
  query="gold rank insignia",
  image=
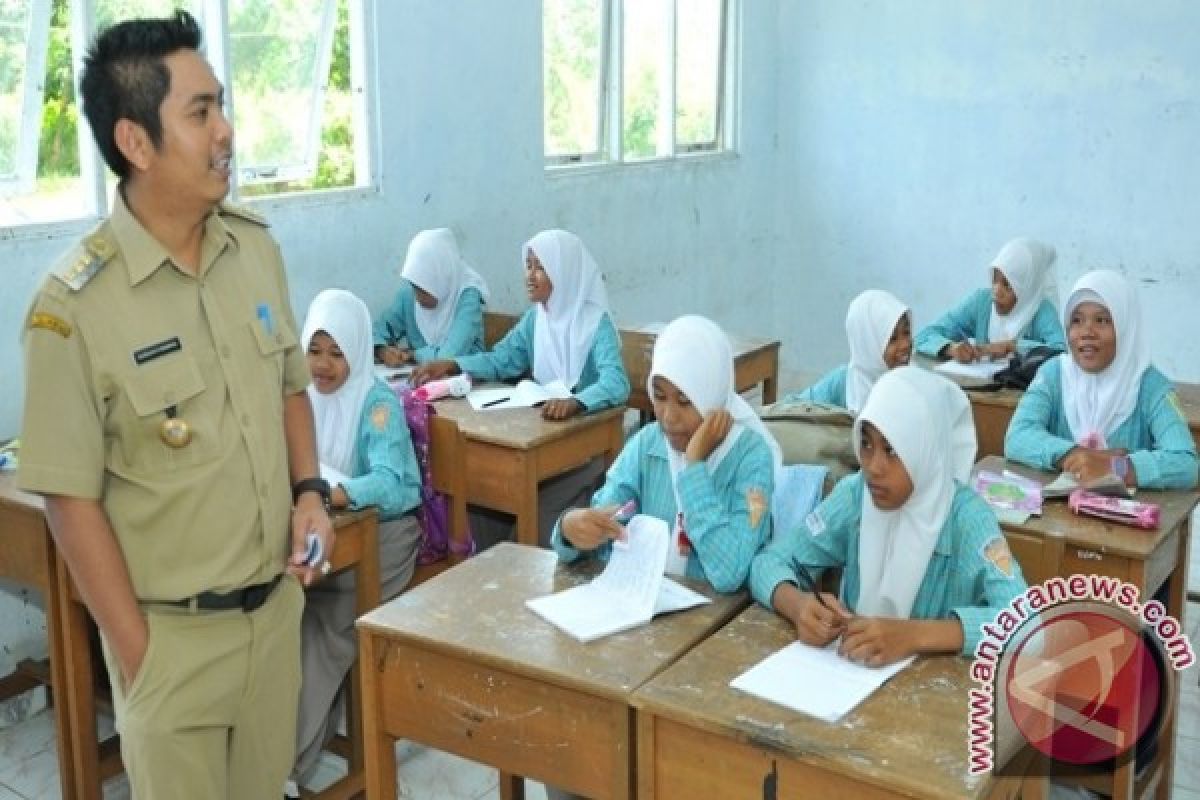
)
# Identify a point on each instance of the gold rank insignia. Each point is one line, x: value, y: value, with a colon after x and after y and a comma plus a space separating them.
x: 82, y: 264
x: 175, y: 432
x: 49, y: 322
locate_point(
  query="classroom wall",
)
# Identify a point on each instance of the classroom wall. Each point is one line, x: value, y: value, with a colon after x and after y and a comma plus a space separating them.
x: 459, y: 100
x: 916, y: 138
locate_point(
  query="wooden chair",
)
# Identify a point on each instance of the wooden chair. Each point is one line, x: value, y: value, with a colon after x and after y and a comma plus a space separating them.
x: 447, y: 465
x: 495, y: 325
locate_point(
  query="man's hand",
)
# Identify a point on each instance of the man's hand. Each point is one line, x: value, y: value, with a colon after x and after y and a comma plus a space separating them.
x: 309, y: 515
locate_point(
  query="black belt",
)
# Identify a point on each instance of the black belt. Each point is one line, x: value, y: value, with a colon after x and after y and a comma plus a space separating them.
x: 248, y: 598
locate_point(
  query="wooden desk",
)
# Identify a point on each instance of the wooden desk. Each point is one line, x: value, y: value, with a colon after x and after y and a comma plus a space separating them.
x: 509, y: 452
x: 755, y: 361
x: 28, y: 556
x: 1060, y: 543
x: 697, y: 737
x: 459, y: 663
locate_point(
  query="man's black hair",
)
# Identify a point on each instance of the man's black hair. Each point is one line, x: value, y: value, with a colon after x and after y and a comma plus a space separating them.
x: 124, y: 77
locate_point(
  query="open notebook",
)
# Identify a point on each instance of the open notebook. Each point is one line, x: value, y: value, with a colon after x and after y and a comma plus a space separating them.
x: 629, y: 592
x: 1109, y: 485
x: 525, y: 394
x: 814, y: 680
x: 392, y: 374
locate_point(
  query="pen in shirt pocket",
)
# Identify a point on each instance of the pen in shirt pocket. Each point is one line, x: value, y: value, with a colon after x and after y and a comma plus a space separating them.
x: 263, y: 312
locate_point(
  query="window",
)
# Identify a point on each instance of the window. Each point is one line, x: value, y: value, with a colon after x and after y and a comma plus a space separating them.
x: 633, y: 80
x: 301, y: 56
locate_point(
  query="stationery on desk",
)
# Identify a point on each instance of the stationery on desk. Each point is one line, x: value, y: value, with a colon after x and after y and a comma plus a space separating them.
x: 983, y: 371
x: 391, y: 375
x: 525, y: 394
x: 814, y: 680
x: 629, y: 592
x: 1109, y: 485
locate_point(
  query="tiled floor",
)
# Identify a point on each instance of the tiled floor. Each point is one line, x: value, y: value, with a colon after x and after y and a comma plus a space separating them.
x: 29, y: 770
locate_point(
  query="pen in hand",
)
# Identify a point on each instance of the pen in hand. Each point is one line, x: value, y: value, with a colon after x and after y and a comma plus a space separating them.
x: 809, y: 584
x: 622, y: 516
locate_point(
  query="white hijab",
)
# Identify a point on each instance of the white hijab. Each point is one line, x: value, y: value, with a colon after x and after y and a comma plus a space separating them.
x: 434, y: 264
x: 346, y: 319
x: 566, y: 323
x: 927, y: 420
x: 1026, y: 264
x: 1096, y: 404
x: 694, y: 354
x: 870, y: 322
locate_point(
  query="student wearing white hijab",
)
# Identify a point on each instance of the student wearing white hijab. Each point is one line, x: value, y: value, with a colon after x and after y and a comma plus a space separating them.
x: 568, y: 335
x: 367, y: 455
x: 879, y: 329
x: 1014, y: 315
x: 1103, y: 407
x: 924, y: 562
x: 438, y: 310
x: 706, y: 466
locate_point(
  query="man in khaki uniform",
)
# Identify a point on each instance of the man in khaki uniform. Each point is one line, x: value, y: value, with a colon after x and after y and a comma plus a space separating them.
x: 165, y: 417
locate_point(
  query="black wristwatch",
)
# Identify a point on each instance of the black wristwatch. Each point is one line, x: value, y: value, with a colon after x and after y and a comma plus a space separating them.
x: 318, y: 485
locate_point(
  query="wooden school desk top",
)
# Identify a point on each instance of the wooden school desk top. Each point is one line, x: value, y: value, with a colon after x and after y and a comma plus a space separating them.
x: 520, y: 428
x: 477, y: 609
x: 1098, y: 534
x: 908, y: 739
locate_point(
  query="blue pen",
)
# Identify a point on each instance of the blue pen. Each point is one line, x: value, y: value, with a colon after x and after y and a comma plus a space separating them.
x: 264, y: 318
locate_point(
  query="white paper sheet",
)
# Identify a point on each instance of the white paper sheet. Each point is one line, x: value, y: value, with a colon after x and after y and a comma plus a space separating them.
x: 814, y: 680
x: 628, y: 593
x: 982, y: 371
x: 525, y: 394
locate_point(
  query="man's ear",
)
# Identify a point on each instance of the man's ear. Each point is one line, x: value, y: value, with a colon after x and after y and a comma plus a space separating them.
x: 134, y: 143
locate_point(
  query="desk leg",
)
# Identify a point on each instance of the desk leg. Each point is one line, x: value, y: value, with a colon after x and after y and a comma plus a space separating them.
x: 527, y: 503
x: 78, y: 692
x: 60, y: 696
x: 770, y: 388
x: 1176, y: 605
x: 512, y: 787
x: 380, y: 748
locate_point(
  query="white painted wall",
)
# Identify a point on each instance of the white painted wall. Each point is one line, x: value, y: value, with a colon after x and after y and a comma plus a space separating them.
x: 916, y: 138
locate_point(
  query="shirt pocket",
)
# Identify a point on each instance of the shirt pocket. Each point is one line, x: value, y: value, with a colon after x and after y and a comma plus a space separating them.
x: 274, y: 343
x: 156, y: 392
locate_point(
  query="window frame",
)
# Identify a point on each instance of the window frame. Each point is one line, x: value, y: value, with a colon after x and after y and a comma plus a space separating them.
x: 611, y: 96
x: 212, y: 15
x: 29, y: 124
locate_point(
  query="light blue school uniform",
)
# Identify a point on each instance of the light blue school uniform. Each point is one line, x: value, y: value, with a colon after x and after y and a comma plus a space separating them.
x: 602, y: 384
x: 385, y: 470
x: 725, y: 513
x: 964, y: 578
x: 971, y: 317
x: 1156, y: 434
x: 464, y: 337
x: 830, y: 390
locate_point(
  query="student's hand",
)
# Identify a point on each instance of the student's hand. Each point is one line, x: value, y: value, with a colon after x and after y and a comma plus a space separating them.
x: 877, y: 642
x: 309, y: 515
x: 561, y: 408
x: 709, y: 435
x: 433, y: 370
x: 999, y: 350
x: 393, y: 356
x: 815, y: 624
x: 962, y: 352
x: 588, y: 528
x: 1086, y: 464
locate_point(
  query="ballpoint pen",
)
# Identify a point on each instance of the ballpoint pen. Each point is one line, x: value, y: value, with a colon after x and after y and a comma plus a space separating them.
x: 808, y: 584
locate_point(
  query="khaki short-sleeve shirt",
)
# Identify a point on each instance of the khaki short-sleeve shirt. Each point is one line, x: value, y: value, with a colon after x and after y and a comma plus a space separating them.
x: 118, y: 340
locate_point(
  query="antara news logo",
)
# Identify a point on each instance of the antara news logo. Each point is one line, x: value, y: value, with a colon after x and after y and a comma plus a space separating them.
x: 1079, y: 668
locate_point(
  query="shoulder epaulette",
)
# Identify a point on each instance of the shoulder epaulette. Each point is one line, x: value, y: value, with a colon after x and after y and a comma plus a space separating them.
x: 84, y: 260
x: 241, y: 212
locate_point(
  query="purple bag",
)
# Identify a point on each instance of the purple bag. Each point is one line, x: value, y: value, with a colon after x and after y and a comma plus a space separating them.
x: 433, y: 513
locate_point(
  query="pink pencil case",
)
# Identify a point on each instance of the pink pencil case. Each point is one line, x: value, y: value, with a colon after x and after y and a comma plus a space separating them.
x: 1116, y: 509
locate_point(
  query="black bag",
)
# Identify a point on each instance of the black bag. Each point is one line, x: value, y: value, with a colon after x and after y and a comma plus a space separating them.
x: 1023, y: 368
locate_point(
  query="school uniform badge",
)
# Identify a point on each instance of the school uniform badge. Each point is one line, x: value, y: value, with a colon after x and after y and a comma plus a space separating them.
x: 756, y: 502
x: 49, y: 322
x: 379, y: 417
x: 815, y: 523
x: 997, y: 552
